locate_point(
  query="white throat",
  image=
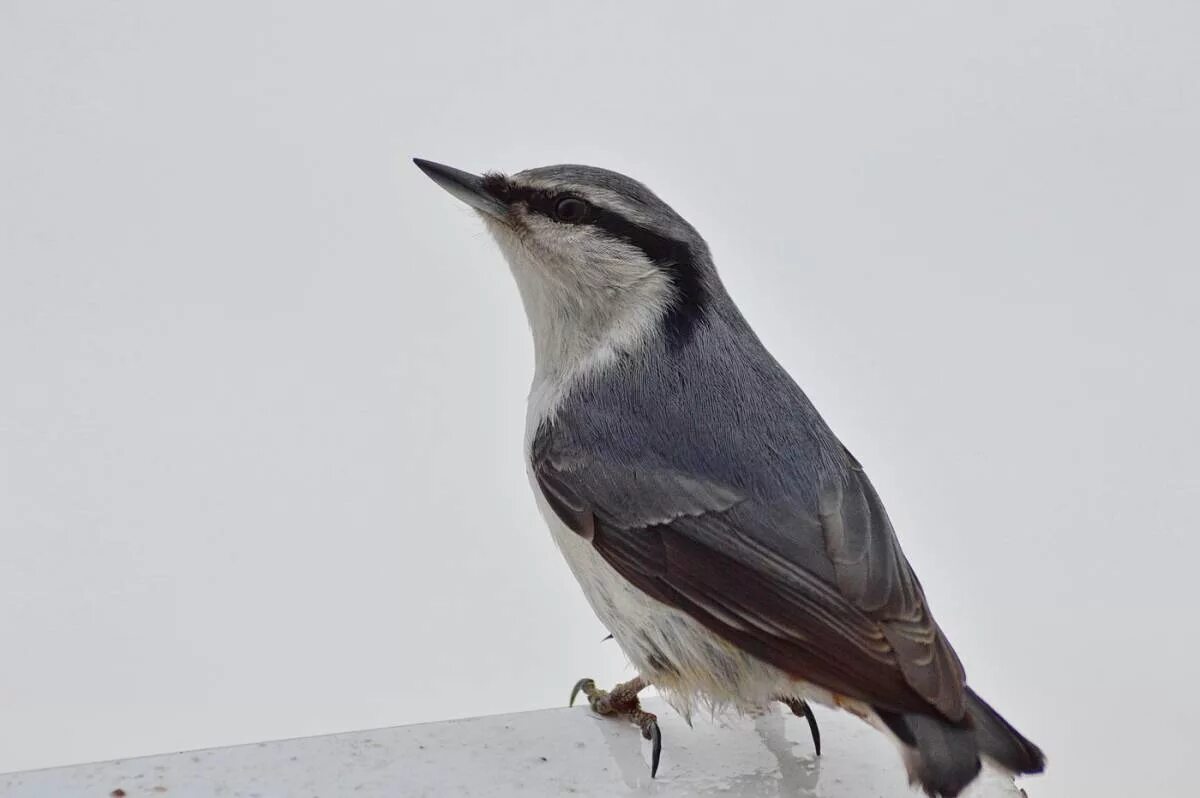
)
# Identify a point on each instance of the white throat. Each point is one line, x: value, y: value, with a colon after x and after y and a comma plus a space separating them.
x: 584, y: 312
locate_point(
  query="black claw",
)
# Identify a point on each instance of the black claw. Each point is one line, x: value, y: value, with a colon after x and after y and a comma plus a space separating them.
x: 608, y: 637
x: 655, y: 748
x: 812, y: 727
x: 601, y: 704
x: 801, y: 709
x: 579, y: 685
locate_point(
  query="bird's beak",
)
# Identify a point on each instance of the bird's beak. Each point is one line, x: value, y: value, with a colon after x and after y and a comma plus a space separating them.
x: 464, y: 185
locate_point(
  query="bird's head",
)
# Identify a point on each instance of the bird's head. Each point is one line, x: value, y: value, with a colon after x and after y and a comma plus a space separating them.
x: 603, y: 265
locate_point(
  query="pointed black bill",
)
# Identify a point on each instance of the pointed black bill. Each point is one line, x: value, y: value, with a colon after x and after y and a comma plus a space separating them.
x: 463, y: 185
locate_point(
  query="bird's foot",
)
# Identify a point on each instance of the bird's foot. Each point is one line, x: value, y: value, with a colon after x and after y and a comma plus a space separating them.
x: 801, y: 709
x: 622, y: 701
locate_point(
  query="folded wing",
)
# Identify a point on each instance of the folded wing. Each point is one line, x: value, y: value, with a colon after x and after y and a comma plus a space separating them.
x: 811, y: 581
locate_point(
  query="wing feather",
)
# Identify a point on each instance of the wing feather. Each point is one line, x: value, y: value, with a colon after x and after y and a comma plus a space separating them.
x: 815, y: 585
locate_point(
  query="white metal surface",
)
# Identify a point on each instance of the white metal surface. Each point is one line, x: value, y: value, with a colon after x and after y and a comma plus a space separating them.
x: 549, y: 752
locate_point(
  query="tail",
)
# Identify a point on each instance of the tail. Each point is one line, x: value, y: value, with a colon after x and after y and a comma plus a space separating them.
x: 945, y: 757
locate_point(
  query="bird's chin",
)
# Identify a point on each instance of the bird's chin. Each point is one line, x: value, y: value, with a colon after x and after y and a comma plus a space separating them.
x: 501, y: 227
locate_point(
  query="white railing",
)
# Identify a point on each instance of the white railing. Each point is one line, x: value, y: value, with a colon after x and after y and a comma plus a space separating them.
x: 549, y: 752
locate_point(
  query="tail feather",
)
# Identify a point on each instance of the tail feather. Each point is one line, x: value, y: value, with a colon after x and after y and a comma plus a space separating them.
x: 944, y: 757
x: 999, y: 741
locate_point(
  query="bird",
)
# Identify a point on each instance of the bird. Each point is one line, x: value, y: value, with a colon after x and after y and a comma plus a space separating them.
x: 730, y: 543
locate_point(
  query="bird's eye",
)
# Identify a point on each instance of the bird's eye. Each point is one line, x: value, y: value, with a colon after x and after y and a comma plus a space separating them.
x: 571, y: 209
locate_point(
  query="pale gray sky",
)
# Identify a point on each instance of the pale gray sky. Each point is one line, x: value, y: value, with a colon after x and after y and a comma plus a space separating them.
x: 263, y: 383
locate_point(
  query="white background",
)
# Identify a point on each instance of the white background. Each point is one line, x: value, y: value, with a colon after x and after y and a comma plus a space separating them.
x: 262, y: 382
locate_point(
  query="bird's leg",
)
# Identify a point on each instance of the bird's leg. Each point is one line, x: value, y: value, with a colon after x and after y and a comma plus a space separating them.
x: 622, y: 701
x: 801, y: 709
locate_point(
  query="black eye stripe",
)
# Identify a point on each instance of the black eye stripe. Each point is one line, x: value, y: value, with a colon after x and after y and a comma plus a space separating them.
x: 674, y: 257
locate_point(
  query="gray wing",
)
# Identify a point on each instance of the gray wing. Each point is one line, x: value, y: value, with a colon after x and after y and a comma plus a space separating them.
x: 809, y: 578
